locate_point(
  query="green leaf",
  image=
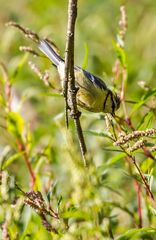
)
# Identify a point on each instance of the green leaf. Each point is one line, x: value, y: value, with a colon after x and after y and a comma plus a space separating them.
x: 78, y: 214
x: 130, y: 234
x: 15, y: 124
x: 152, y: 210
x: 21, y: 63
x: 147, y: 165
x: 2, y: 101
x: 11, y: 160
x: 100, y: 134
x: 116, y: 158
x: 150, y: 93
x: 145, y: 97
x: 146, y: 121
x: 120, y: 54
x: 52, y: 191
x: 137, y: 106
x: 85, y: 61
x: 51, y: 94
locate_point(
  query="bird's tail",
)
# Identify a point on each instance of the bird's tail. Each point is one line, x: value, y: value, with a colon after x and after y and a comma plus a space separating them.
x: 49, y: 51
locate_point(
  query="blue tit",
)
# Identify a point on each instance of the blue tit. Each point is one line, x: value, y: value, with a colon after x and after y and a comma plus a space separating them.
x: 93, y: 94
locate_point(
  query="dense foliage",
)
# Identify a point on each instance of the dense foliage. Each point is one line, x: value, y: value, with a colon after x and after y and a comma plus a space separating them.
x: 45, y: 191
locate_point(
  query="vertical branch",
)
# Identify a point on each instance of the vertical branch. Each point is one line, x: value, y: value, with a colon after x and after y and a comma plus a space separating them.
x: 124, y: 74
x: 70, y: 90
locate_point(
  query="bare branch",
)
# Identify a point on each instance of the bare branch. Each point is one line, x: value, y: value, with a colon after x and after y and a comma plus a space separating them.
x: 69, y: 89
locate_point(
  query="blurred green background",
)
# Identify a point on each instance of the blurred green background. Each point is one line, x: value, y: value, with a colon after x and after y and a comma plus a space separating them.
x: 53, y: 152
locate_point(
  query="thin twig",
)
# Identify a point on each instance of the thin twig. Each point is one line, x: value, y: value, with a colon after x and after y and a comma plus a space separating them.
x: 140, y: 173
x: 136, y: 166
x: 69, y: 88
x: 150, y: 194
x: 29, y: 50
x: 138, y: 190
x: 21, y: 147
x: 124, y: 75
x: 35, y: 201
x: 27, y: 32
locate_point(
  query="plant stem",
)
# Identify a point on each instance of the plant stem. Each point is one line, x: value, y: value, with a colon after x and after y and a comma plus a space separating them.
x: 69, y: 83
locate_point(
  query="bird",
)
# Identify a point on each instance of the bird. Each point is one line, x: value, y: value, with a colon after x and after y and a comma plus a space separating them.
x: 93, y: 94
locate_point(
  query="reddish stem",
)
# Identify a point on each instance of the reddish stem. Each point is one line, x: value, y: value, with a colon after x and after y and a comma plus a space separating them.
x: 21, y: 147
x: 148, y: 153
x: 150, y: 194
x: 144, y: 180
x: 138, y: 190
